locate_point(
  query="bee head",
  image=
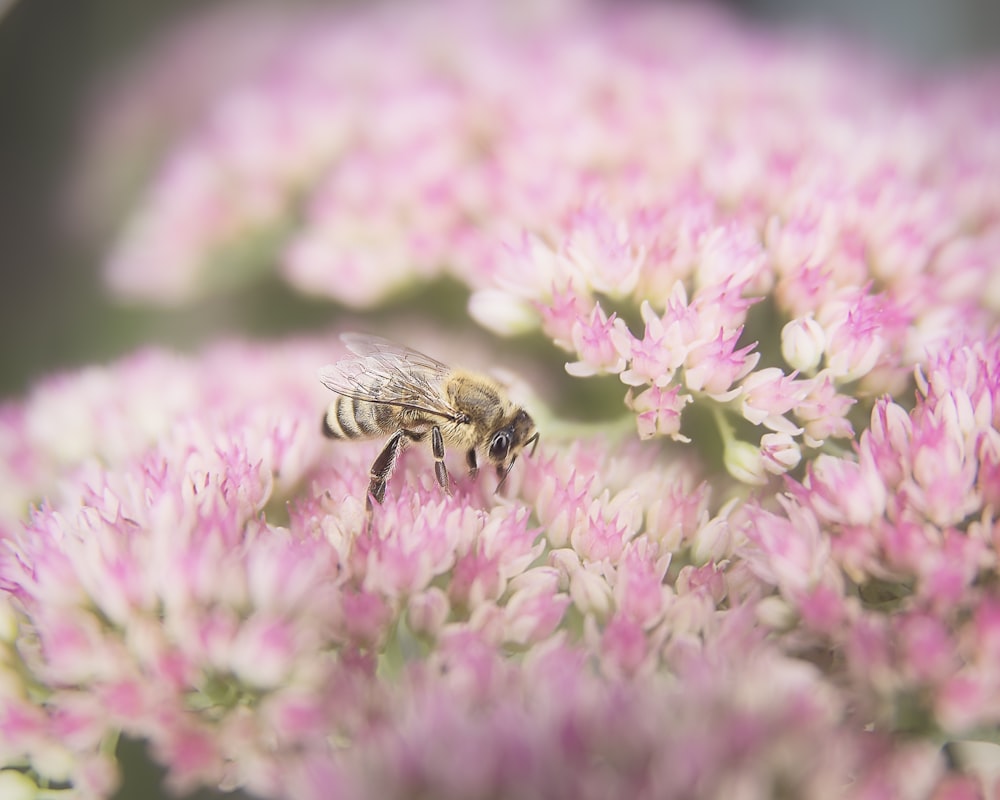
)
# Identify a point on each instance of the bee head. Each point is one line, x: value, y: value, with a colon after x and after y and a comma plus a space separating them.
x: 507, y: 442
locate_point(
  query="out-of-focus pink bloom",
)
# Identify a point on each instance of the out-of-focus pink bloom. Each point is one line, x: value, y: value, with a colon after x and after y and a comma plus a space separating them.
x: 601, y: 252
x: 853, y: 340
x: 638, y: 588
x: 823, y: 411
x: 842, y: 491
x: 796, y: 556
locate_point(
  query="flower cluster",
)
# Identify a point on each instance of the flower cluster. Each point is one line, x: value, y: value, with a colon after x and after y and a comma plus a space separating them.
x: 109, y: 415
x: 783, y: 242
x: 218, y: 591
x: 661, y: 193
x: 908, y: 522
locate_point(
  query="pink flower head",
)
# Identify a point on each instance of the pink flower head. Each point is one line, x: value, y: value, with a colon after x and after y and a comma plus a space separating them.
x: 804, y: 238
x: 659, y: 412
x: 943, y: 484
x: 823, y: 411
x: 769, y: 394
x: 601, y: 250
x: 794, y: 554
x: 594, y: 343
x: 713, y: 367
x: 844, y: 491
x: 887, y: 439
x: 655, y: 358
x: 566, y: 317
x: 854, y: 342
x: 733, y: 256
x: 639, y: 591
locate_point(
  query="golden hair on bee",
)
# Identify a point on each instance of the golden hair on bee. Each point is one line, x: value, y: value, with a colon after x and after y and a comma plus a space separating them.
x: 386, y: 389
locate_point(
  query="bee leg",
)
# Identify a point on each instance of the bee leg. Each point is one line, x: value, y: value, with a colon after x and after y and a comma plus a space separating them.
x: 470, y: 459
x: 440, y: 470
x: 503, y: 472
x: 382, y: 467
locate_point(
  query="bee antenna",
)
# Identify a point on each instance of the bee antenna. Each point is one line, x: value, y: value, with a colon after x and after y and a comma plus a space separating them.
x: 533, y: 441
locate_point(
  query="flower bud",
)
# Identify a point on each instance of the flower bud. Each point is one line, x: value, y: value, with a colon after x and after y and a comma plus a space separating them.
x: 15, y: 785
x: 780, y: 453
x: 802, y: 343
x: 711, y: 542
x: 775, y: 613
x: 590, y: 593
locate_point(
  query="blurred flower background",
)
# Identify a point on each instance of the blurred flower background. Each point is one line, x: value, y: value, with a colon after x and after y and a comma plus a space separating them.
x: 745, y: 274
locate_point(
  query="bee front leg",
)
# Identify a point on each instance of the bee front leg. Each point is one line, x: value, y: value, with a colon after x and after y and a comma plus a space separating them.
x: 470, y: 459
x: 440, y: 470
x: 382, y: 467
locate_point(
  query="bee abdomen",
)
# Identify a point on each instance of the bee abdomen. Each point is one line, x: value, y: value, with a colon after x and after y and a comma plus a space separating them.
x: 350, y: 418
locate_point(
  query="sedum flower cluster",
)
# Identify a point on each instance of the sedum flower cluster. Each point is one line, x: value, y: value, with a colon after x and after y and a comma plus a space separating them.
x: 787, y: 253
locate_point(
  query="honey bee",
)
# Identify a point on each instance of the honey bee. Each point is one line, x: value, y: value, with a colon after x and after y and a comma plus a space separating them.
x: 386, y: 389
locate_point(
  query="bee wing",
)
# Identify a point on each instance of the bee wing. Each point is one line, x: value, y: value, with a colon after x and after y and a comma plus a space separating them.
x: 385, y: 372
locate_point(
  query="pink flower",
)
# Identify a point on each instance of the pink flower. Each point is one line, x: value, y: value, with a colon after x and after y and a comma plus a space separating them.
x: 593, y: 343
x: 654, y: 358
x: 767, y: 395
x: 795, y: 554
x: 823, y: 411
x: 659, y: 412
x: 561, y: 320
x: 779, y: 452
x: 638, y: 589
x: 601, y: 250
x: 713, y: 367
x: 853, y: 340
x: 842, y: 491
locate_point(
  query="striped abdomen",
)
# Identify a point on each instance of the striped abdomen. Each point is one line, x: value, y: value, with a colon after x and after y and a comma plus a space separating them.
x: 350, y: 418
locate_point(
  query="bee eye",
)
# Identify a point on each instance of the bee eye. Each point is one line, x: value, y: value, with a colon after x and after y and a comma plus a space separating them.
x: 499, y: 447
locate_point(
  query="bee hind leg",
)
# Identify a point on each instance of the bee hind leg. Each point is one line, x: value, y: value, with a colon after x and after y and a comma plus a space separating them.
x: 440, y: 470
x: 382, y: 467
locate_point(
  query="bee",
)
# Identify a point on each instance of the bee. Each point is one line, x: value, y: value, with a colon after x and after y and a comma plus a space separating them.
x: 386, y: 389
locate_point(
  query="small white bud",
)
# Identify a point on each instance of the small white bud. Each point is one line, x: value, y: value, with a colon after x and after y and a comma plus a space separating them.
x: 711, y: 542
x: 802, y: 343
x: 780, y: 453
